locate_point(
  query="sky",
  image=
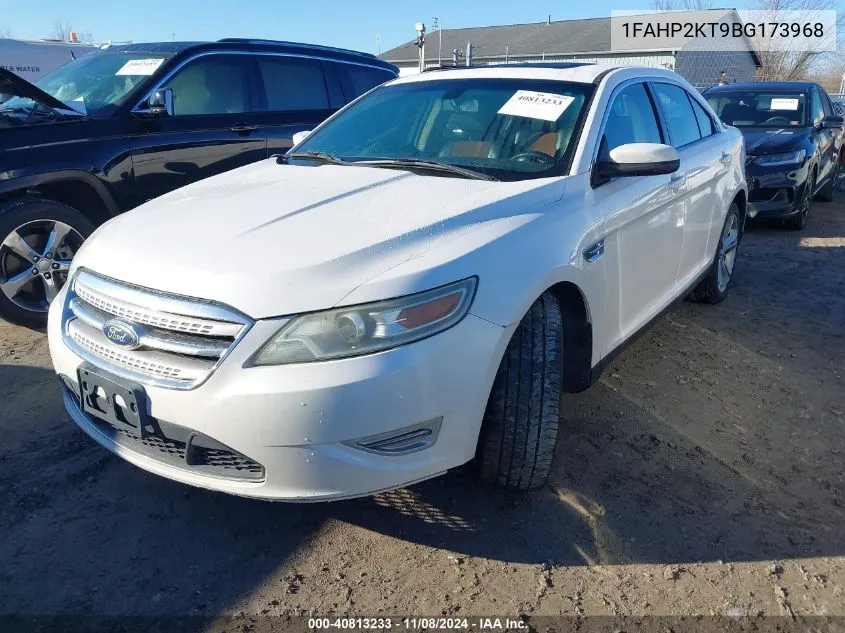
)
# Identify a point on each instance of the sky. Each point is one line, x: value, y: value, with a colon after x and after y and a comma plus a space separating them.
x: 351, y: 24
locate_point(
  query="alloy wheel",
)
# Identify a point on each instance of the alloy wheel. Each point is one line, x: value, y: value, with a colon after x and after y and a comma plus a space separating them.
x: 727, y: 252
x: 34, y: 262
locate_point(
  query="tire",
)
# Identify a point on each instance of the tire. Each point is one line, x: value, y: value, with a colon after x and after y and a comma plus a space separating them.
x: 798, y: 221
x: 826, y: 193
x: 520, y: 424
x: 714, y: 287
x: 26, y: 228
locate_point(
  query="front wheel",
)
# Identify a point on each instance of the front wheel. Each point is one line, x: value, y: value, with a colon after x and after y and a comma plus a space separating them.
x: 714, y: 287
x: 798, y: 221
x: 520, y: 424
x: 38, y: 239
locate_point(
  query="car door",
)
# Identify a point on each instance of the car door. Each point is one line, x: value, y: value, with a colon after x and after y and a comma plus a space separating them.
x: 825, y: 137
x: 212, y: 128
x: 644, y: 217
x: 296, y: 94
x: 705, y: 161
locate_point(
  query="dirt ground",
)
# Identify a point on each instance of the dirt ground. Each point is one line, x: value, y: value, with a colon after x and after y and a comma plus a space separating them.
x: 703, y: 475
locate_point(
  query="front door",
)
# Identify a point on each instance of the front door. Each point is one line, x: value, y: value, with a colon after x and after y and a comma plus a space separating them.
x: 212, y: 128
x: 644, y: 219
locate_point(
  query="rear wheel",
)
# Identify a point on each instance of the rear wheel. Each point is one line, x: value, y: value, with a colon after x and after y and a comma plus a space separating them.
x: 38, y: 239
x: 714, y: 287
x: 520, y: 425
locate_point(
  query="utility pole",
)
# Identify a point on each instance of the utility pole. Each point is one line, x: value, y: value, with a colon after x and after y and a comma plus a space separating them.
x: 438, y: 26
x: 421, y: 43
x: 378, y: 42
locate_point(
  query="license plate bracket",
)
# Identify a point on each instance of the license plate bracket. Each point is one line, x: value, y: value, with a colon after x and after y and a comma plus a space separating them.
x: 119, y: 402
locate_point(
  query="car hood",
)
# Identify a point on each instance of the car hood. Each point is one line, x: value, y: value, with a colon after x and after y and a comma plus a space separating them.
x: 759, y: 140
x: 11, y: 84
x: 272, y: 239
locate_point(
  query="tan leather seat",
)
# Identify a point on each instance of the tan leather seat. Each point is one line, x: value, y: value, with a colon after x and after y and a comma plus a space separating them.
x: 470, y: 149
x: 547, y: 144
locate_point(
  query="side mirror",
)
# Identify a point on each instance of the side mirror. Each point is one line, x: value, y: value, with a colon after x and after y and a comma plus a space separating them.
x: 639, y: 159
x: 833, y: 122
x: 300, y: 136
x: 160, y: 103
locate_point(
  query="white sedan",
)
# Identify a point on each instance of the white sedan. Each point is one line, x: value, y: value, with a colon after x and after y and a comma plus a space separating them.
x: 413, y: 286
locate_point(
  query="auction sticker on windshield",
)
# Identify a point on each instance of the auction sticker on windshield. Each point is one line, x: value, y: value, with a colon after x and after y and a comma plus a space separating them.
x: 537, y: 105
x: 140, y: 67
x: 784, y: 104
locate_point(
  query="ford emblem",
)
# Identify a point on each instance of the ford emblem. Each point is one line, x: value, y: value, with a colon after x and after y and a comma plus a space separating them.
x: 122, y: 334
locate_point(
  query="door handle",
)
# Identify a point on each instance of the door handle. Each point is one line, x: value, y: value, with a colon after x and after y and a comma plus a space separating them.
x: 726, y: 158
x: 677, y: 181
x: 243, y: 128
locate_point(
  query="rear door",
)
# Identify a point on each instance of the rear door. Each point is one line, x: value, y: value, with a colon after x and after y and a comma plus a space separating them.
x: 212, y: 129
x: 704, y: 164
x: 296, y: 94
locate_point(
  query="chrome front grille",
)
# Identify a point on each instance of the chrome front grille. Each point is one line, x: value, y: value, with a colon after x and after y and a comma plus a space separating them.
x: 180, y: 340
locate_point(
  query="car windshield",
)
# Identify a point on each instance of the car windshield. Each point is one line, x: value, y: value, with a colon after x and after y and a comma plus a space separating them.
x: 97, y: 83
x: 760, y: 109
x: 508, y: 129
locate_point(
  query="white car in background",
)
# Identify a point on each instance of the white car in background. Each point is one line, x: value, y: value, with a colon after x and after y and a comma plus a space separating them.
x: 413, y: 286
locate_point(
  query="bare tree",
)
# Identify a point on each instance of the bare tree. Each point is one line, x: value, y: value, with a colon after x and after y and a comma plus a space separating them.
x: 5, y: 32
x: 62, y: 29
x: 682, y: 5
x: 797, y: 61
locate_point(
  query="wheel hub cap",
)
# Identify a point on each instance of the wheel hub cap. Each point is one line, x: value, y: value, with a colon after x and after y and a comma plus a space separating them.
x: 34, y: 262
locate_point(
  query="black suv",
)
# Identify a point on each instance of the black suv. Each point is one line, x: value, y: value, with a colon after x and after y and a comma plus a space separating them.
x: 120, y: 126
x: 794, y: 144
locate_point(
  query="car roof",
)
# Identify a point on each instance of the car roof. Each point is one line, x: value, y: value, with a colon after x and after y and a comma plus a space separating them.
x: 572, y: 72
x: 234, y: 43
x: 798, y: 86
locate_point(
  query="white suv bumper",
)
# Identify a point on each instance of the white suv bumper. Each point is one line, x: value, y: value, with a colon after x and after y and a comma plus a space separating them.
x: 303, y: 423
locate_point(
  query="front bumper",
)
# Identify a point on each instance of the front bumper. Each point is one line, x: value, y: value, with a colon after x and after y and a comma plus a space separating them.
x: 775, y: 192
x: 301, y: 422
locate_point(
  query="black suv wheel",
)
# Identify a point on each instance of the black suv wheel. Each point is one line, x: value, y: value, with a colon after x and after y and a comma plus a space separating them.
x: 38, y: 239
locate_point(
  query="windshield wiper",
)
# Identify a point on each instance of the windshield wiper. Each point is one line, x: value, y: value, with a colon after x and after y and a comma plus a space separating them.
x: 430, y: 165
x: 322, y: 157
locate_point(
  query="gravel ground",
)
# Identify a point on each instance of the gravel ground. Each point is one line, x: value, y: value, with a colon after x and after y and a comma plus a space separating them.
x: 702, y: 475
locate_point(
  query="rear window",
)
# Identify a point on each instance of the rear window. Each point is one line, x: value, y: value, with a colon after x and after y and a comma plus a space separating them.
x: 293, y: 84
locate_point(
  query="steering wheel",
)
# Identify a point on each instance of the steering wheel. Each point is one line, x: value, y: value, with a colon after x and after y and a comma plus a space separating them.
x: 777, y: 120
x: 533, y: 156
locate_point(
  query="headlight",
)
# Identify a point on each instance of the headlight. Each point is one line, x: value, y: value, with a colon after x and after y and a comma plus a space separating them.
x: 773, y: 160
x: 365, y: 329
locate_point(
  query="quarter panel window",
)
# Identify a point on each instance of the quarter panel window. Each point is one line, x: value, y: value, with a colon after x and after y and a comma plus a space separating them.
x: 679, y: 114
x: 293, y: 84
x: 817, y: 107
x: 214, y: 84
x: 705, y: 123
x: 631, y: 119
x: 363, y: 78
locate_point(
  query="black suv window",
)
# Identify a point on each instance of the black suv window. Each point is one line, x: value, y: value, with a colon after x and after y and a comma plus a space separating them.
x: 293, y: 83
x: 212, y: 84
x: 360, y: 79
x: 631, y: 120
x: 683, y: 125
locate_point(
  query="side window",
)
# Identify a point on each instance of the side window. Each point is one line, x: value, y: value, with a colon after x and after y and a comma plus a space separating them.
x: 705, y: 123
x: 683, y: 125
x: 631, y: 120
x: 817, y: 110
x: 293, y: 83
x: 827, y: 103
x: 363, y: 78
x: 213, y: 84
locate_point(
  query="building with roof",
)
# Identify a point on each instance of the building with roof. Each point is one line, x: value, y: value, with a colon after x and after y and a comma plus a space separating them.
x: 587, y: 40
